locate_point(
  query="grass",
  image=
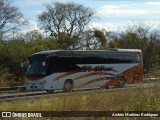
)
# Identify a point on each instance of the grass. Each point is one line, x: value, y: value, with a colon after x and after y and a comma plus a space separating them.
x: 153, y: 76
x: 7, y: 80
x: 141, y: 99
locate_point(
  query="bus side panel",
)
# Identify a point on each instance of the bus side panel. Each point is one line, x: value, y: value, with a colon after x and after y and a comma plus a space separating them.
x: 130, y: 72
x: 134, y: 74
x: 54, y: 84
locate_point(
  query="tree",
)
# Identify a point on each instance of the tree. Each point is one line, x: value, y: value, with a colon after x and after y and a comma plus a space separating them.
x: 100, y: 35
x: 10, y: 18
x: 33, y: 35
x: 93, y: 39
x: 67, y: 18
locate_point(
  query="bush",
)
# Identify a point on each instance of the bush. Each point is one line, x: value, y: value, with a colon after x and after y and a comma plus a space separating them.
x: 7, y: 79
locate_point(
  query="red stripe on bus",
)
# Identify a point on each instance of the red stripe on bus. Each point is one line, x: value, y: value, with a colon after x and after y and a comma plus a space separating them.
x: 67, y: 73
x: 133, y: 75
x: 94, y: 80
x: 91, y: 74
x: 34, y: 78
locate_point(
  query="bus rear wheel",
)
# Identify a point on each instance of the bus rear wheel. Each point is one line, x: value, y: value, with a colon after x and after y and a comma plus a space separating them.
x: 122, y: 82
x: 68, y: 86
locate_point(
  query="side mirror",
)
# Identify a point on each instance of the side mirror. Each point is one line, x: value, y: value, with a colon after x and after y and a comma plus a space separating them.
x: 43, y: 63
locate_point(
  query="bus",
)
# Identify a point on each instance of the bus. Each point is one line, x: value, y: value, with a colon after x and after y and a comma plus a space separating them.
x: 82, y: 69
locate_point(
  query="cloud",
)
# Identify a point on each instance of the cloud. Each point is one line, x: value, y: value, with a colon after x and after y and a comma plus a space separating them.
x: 120, y: 10
x: 121, y: 26
x: 117, y: 26
x: 26, y: 3
x: 153, y: 3
x: 31, y: 26
x: 155, y: 25
x: 38, y: 12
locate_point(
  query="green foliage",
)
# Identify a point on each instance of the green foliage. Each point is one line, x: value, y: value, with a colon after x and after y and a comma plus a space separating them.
x: 3, y: 70
x: 33, y: 35
x: 99, y: 34
x: 66, y: 41
x: 14, y: 52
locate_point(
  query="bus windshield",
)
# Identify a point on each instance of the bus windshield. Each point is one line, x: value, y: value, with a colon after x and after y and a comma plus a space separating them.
x: 36, y: 68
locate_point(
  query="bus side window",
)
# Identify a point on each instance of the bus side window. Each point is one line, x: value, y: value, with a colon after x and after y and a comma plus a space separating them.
x: 66, y: 67
x: 138, y: 58
x: 51, y: 66
x: 52, y: 69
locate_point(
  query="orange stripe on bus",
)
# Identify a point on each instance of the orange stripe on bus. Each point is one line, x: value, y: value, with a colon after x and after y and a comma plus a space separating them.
x: 34, y: 78
x: 94, y: 80
x: 131, y: 73
x: 91, y: 74
x: 66, y: 74
x: 128, y: 75
x: 113, y: 82
x: 75, y: 71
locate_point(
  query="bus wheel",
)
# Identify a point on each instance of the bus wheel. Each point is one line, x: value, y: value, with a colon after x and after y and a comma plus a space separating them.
x: 122, y: 82
x: 68, y: 86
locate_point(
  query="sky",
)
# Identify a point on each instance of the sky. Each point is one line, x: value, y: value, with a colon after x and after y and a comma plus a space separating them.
x: 112, y: 15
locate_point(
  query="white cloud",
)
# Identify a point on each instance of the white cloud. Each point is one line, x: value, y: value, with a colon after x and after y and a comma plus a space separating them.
x: 38, y: 12
x: 27, y: 3
x: 121, y: 26
x: 31, y: 26
x: 153, y: 3
x: 118, y: 26
x: 120, y: 10
x: 110, y: 11
x: 155, y: 25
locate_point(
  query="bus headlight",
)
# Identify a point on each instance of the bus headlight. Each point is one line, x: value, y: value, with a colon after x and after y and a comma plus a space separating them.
x: 43, y: 83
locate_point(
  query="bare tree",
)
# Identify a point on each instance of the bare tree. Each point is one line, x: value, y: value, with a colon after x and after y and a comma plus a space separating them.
x: 10, y: 18
x: 69, y: 18
x: 33, y: 35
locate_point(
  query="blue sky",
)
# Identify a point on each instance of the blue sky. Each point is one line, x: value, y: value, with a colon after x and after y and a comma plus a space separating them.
x: 111, y: 14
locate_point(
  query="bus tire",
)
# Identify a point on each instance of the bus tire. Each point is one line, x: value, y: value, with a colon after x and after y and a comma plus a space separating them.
x: 68, y: 85
x: 122, y: 82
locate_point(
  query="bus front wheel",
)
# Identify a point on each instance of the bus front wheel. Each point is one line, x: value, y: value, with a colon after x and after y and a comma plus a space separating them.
x: 68, y: 86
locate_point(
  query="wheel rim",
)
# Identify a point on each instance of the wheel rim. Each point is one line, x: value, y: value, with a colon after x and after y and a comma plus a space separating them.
x: 67, y: 86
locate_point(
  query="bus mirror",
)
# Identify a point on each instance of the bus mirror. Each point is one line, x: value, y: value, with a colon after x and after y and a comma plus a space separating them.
x: 22, y: 65
x: 43, y: 63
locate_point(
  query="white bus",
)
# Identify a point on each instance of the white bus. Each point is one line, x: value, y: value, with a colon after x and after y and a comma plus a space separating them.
x: 78, y: 69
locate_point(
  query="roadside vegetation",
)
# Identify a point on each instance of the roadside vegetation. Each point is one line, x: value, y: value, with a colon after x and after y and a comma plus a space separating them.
x: 141, y: 99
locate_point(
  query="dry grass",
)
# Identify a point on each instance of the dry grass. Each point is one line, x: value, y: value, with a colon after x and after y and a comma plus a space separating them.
x: 142, y: 99
x: 3, y: 80
x: 153, y: 74
x: 7, y: 80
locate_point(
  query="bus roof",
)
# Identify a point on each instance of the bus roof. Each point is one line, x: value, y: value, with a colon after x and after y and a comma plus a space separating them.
x: 48, y: 52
